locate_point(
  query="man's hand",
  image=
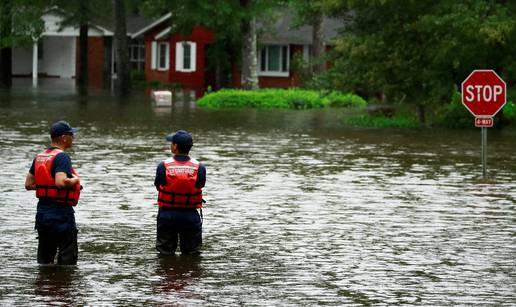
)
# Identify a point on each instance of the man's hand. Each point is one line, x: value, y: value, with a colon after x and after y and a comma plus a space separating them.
x: 63, y: 182
x: 30, y: 182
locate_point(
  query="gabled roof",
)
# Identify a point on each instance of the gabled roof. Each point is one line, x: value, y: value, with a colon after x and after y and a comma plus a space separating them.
x: 53, y: 27
x: 151, y: 25
x: 283, y: 32
x: 279, y: 32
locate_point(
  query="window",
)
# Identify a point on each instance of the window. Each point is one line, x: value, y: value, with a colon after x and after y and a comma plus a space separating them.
x: 274, y: 60
x: 185, y: 56
x: 137, y: 55
x: 163, y: 51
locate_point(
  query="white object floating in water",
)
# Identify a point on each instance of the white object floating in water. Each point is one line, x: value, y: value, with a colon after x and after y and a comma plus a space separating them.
x: 162, y: 98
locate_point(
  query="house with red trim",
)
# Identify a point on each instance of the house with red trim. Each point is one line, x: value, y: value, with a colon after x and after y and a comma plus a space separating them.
x: 182, y: 60
x: 164, y: 56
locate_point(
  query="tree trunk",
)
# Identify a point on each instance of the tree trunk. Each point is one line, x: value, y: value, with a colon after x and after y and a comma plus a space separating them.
x: 421, y: 114
x: 82, y: 77
x: 123, y: 81
x: 318, y: 48
x: 249, y: 59
x: 5, y: 52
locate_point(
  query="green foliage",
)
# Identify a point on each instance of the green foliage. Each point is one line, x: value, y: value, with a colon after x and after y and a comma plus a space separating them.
x: 137, y: 75
x: 21, y: 22
x: 454, y: 114
x: 398, y: 121
x: 509, y: 111
x: 279, y: 98
x: 417, y: 52
x: 339, y: 100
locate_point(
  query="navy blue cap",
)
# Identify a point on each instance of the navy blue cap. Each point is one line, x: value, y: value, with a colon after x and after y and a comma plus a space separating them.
x: 180, y: 137
x: 61, y: 127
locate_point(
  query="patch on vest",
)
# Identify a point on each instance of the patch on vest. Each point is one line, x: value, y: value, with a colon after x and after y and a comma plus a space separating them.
x: 181, y: 170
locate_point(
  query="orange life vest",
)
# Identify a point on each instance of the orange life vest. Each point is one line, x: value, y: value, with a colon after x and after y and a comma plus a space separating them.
x: 46, y: 184
x: 181, y: 190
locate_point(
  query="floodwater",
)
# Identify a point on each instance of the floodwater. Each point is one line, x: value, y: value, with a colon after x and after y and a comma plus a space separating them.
x: 301, y: 210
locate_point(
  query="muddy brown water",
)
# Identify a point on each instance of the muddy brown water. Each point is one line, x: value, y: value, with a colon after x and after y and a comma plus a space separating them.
x: 301, y: 210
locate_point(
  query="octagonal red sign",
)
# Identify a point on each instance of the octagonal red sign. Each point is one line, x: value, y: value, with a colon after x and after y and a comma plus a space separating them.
x: 483, y: 93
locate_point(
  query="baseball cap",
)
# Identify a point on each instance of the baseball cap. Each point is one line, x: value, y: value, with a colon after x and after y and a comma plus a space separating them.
x: 61, y: 127
x: 180, y: 137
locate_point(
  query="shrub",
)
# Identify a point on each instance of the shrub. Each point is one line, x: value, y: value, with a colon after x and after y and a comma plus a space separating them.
x: 339, y: 100
x: 278, y: 98
x: 454, y: 114
x: 509, y: 111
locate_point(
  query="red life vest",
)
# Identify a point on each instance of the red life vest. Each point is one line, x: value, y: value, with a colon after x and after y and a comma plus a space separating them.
x: 46, y: 184
x: 181, y: 190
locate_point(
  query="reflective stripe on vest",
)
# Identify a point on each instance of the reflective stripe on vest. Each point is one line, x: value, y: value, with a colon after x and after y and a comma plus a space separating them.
x: 181, y: 190
x: 45, y: 184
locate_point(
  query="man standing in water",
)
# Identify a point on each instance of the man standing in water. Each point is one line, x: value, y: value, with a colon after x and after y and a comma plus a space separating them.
x: 58, y: 188
x: 179, y: 181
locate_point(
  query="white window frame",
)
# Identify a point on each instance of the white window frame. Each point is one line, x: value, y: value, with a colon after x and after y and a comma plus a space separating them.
x: 180, y: 57
x: 273, y: 73
x: 163, y: 66
x: 154, y: 52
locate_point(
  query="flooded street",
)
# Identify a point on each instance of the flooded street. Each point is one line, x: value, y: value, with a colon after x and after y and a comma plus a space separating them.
x: 301, y: 210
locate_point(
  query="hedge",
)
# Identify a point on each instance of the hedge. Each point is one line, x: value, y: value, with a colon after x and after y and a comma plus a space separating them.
x: 279, y: 98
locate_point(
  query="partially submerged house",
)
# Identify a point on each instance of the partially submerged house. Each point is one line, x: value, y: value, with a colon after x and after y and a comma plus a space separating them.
x: 55, y: 54
x: 161, y: 55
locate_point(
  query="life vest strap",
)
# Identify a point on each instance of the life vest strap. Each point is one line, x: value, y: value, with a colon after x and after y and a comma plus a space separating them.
x: 179, y: 194
x: 172, y: 202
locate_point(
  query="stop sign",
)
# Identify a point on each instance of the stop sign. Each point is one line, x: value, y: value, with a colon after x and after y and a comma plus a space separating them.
x: 483, y: 93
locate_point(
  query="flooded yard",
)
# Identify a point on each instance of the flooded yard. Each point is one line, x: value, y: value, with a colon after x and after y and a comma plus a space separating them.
x: 301, y: 210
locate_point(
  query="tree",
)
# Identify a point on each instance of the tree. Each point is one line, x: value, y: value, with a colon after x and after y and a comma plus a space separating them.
x: 234, y: 24
x: 312, y: 12
x: 80, y: 13
x: 6, y: 50
x: 122, y: 50
x: 418, y: 52
x: 20, y: 25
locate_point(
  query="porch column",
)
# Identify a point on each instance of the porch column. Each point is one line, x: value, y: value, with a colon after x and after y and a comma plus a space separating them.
x: 35, y: 64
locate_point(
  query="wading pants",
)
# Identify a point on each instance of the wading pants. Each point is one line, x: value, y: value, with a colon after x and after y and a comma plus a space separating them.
x: 183, y: 225
x: 57, y: 233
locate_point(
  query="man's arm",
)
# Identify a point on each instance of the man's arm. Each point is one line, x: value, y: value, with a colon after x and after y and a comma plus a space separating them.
x: 30, y: 182
x: 63, y: 182
x: 160, y: 178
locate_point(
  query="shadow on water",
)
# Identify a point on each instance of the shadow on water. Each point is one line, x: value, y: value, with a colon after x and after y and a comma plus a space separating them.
x: 56, y: 282
x: 177, y: 272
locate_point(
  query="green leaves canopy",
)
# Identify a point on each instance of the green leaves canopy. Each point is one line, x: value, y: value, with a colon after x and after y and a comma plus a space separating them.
x: 421, y: 50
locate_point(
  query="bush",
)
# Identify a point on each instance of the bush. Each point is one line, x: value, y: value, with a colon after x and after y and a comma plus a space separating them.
x: 339, y: 100
x: 509, y: 111
x: 454, y: 114
x: 278, y: 98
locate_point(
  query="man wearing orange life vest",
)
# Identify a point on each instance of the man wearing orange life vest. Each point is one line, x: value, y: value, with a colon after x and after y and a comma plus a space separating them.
x: 58, y: 188
x: 179, y: 181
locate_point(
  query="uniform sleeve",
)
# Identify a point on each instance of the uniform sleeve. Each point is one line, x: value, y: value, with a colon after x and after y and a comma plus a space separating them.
x: 201, y: 177
x: 160, y: 175
x: 62, y: 163
x: 31, y: 170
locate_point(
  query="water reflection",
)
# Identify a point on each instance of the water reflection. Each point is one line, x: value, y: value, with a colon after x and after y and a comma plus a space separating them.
x: 177, y: 272
x: 56, y: 282
x: 301, y: 209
